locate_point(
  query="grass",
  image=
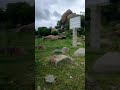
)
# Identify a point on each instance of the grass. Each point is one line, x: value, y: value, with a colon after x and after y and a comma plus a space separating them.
x: 62, y: 74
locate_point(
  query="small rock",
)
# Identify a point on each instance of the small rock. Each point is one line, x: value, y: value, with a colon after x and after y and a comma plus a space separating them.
x: 40, y: 47
x: 65, y: 50
x: 82, y: 63
x: 60, y: 59
x: 38, y: 88
x: 71, y: 77
x: 79, y: 43
x: 58, y: 51
x: 80, y: 52
x: 50, y: 78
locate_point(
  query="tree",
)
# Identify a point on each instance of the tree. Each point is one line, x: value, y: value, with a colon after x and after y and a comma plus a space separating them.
x: 44, y: 31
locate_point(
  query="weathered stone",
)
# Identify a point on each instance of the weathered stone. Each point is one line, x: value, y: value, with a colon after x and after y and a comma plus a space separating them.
x: 80, y: 52
x: 50, y: 79
x: 60, y: 59
x: 64, y: 16
x: 108, y: 63
x: 52, y: 37
x: 38, y: 88
x: 40, y: 47
x: 65, y: 50
x: 71, y: 15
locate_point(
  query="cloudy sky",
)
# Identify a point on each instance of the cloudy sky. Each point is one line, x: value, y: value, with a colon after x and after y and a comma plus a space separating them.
x: 48, y: 12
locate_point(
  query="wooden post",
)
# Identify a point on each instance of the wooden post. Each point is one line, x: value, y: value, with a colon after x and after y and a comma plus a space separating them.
x: 74, y: 37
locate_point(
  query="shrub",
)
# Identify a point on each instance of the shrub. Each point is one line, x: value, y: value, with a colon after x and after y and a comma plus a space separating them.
x: 69, y: 34
x: 54, y: 33
x: 36, y: 32
x: 44, y: 31
x: 81, y: 31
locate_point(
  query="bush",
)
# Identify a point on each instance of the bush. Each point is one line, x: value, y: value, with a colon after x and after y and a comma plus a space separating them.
x: 69, y: 34
x: 36, y: 32
x: 54, y: 33
x: 81, y: 31
x: 44, y: 31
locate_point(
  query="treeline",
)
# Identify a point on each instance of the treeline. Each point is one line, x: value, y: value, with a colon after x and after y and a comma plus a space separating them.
x: 44, y: 31
x: 20, y: 13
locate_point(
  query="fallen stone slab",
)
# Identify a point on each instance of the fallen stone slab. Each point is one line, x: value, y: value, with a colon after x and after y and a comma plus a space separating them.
x: 108, y: 63
x: 60, y: 60
x: 52, y: 37
x: 80, y: 52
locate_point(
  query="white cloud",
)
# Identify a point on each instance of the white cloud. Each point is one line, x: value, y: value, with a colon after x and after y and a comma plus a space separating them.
x: 55, y: 9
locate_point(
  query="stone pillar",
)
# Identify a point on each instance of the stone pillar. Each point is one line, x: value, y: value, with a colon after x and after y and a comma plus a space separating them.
x: 95, y: 28
x: 74, y: 37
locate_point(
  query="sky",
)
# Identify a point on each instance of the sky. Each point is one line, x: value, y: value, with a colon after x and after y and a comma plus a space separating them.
x: 48, y: 12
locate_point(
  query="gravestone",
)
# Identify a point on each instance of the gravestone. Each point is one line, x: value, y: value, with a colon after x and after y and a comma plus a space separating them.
x: 65, y: 50
x: 59, y: 60
x: 80, y: 52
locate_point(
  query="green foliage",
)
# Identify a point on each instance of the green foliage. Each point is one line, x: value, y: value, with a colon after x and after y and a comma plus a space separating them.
x: 66, y: 25
x: 59, y: 23
x: 82, y: 21
x: 81, y: 31
x: 44, y: 31
x: 54, y: 33
x: 69, y: 34
x: 36, y: 32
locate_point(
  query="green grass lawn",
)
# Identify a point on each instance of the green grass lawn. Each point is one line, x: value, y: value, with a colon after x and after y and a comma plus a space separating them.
x: 62, y: 74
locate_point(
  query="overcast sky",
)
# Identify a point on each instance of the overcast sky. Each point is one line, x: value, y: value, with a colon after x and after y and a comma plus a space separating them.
x: 48, y: 12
